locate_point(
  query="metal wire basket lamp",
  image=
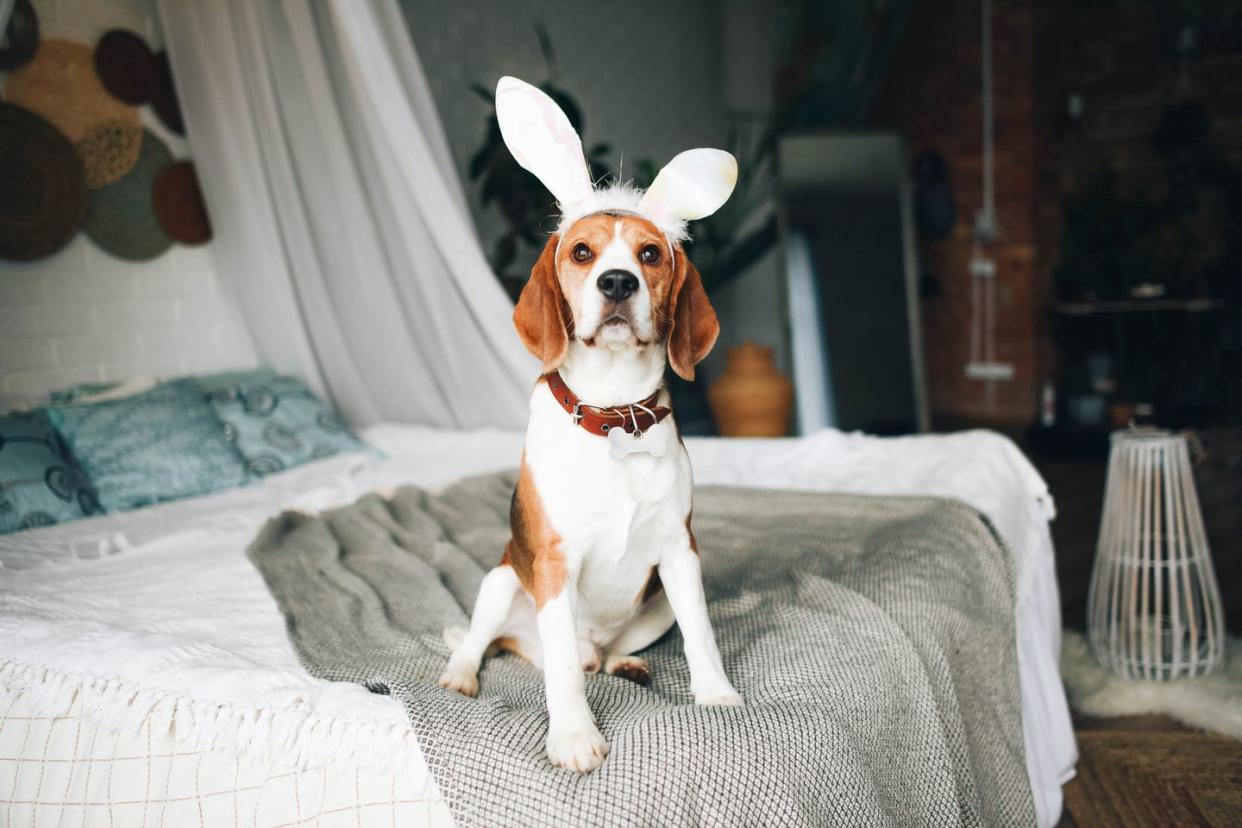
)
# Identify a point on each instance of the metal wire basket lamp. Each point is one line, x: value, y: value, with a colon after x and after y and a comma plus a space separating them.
x: 1154, y: 610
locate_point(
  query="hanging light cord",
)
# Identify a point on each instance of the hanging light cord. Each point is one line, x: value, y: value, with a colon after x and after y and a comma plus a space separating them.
x: 989, y: 189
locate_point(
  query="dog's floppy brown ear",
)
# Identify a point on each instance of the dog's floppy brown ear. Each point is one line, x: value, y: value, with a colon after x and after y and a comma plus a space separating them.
x: 541, y: 317
x: 695, y: 328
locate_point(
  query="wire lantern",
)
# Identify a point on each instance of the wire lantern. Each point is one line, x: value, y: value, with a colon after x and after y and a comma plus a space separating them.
x: 1155, y: 609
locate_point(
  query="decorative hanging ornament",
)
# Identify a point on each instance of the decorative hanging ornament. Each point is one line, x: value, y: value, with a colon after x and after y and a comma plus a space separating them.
x: 126, y: 66
x: 61, y: 86
x: 538, y: 133
x: 20, y: 37
x: 164, y: 96
x: 42, y: 189
x: 121, y: 217
x: 179, y: 206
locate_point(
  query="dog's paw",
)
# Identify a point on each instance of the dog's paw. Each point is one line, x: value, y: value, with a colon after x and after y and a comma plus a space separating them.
x: 462, y: 678
x: 629, y: 667
x: 589, y: 656
x: 579, y: 747
x: 724, y: 696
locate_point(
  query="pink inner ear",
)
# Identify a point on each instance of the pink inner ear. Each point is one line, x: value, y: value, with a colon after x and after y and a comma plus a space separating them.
x: 542, y: 140
x: 561, y: 130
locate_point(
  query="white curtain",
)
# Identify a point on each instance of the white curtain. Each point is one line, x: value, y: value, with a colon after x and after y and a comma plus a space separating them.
x: 340, y: 223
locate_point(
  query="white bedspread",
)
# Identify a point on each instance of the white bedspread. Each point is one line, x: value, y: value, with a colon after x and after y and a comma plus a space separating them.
x: 157, y: 618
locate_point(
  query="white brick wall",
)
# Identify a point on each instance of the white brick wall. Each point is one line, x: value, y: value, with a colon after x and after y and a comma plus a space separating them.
x: 84, y: 315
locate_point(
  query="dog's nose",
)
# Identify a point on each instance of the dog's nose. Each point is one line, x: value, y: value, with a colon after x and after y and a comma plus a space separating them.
x: 617, y: 285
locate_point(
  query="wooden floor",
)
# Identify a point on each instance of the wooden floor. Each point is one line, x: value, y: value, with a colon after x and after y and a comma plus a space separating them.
x: 1148, y: 770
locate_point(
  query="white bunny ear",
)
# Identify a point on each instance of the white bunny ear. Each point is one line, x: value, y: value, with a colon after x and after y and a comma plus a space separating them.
x: 542, y: 140
x: 693, y: 185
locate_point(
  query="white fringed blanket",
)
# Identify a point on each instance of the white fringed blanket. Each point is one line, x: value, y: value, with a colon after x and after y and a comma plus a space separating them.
x: 177, y: 624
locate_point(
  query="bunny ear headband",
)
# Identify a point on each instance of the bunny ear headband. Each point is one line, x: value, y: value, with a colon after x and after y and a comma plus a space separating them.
x: 693, y: 185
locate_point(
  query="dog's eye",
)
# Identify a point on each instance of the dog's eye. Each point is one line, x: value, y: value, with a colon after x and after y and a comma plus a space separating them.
x: 582, y: 253
x: 650, y: 254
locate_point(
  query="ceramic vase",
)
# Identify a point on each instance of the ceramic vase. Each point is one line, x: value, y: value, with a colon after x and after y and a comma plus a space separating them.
x: 751, y: 398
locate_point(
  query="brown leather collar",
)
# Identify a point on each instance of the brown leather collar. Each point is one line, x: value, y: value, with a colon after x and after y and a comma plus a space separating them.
x: 638, y: 416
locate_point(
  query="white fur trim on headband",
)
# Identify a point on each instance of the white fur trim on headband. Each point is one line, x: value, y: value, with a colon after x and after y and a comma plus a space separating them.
x: 692, y: 186
x: 620, y: 198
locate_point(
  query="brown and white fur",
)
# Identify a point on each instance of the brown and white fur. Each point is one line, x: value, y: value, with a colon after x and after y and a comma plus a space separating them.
x: 603, y: 559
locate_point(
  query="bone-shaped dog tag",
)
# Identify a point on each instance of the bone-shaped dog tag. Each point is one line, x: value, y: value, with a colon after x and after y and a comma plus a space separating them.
x: 654, y: 441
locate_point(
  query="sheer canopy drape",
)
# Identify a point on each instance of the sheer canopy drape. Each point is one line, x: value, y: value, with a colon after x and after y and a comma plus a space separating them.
x: 340, y: 223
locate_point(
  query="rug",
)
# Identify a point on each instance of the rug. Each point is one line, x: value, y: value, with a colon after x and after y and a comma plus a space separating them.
x: 1132, y: 778
x: 1212, y: 702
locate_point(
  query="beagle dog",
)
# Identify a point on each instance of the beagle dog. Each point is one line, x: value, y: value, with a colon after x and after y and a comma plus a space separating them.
x: 603, y: 558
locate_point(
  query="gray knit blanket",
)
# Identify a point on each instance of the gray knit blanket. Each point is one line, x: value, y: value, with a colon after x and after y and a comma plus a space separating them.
x: 872, y: 639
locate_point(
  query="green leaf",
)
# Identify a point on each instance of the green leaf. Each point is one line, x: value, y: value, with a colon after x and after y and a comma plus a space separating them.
x: 492, y: 189
x: 483, y: 92
x: 545, y: 47
x: 645, y: 172
x: 478, y: 162
x: 504, y: 252
x: 740, y: 256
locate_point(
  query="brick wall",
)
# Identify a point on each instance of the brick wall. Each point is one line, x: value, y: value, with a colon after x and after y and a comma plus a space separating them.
x: 932, y: 95
x: 1119, y: 58
x: 1123, y: 64
x: 83, y: 315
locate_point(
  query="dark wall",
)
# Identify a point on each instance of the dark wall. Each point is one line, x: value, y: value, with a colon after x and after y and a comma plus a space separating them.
x: 932, y: 95
x: 1122, y: 61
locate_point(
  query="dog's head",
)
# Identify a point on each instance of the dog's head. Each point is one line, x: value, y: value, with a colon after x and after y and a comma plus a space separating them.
x: 614, y: 275
x: 612, y: 280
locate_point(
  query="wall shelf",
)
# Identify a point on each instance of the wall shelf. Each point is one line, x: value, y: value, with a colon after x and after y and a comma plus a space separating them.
x: 1137, y: 306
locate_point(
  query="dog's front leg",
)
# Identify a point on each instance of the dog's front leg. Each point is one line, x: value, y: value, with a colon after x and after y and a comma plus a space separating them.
x: 574, y: 742
x: 682, y: 576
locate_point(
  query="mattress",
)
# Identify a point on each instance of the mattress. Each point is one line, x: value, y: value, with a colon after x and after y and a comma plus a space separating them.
x: 84, y: 738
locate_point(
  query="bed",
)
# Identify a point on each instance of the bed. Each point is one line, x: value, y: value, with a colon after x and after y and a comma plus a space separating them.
x: 146, y: 676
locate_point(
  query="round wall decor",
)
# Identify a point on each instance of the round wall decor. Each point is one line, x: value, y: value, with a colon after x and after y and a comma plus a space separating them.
x: 120, y: 217
x: 109, y: 151
x: 164, y: 96
x: 61, y: 86
x: 179, y: 205
x: 22, y: 35
x: 126, y: 66
x: 42, y: 188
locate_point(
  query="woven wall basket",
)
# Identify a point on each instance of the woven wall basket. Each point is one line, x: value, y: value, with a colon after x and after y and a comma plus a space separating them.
x: 126, y: 66
x: 1154, y: 610
x: 61, y: 86
x: 164, y: 95
x: 179, y: 205
x: 21, y: 37
x: 121, y: 217
x: 42, y: 188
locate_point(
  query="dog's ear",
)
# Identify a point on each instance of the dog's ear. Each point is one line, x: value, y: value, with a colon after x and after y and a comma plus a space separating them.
x: 541, y: 316
x: 694, y: 324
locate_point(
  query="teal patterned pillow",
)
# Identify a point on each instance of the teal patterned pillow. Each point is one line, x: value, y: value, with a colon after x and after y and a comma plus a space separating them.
x: 162, y: 444
x: 39, y: 483
x: 74, y: 393
x: 277, y: 423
